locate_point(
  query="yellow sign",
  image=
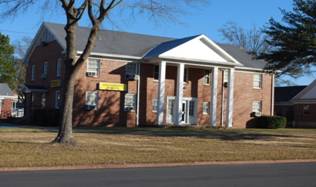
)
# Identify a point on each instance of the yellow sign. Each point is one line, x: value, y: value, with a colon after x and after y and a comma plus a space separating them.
x: 111, y: 86
x: 54, y: 83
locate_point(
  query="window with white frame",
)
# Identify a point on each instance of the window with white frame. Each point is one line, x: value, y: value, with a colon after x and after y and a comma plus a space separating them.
x: 225, y: 76
x: 44, y: 70
x: 257, y: 80
x: 58, y: 68
x: 156, y: 72
x: 155, y: 105
x: 207, y: 77
x: 57, y: 99
x: 257, y: 106
x: 93, y: 67
x: 91, y: 98
x: 33, y: 72
x: 205, y: 108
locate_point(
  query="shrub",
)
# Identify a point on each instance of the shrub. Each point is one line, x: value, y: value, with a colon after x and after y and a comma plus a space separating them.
x: 270, y: 122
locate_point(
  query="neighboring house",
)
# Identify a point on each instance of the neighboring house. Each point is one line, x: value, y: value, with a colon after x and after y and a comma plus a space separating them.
x: 283, y: 102
x: 8, y: 102
x: 140, y: 80
x: 305, y: 107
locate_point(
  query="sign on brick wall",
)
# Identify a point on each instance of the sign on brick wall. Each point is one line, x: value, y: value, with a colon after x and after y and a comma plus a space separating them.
x: 112, y: 86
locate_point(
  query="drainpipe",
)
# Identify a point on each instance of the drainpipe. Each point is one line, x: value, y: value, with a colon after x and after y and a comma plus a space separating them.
x: 138, y: 94
x: 272, y: 94
x: 222, y: 107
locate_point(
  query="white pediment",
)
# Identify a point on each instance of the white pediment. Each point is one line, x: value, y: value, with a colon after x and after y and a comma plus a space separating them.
x: 199, y: 49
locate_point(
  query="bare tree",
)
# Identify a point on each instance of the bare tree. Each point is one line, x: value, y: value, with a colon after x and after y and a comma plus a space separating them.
x: 97, y: 11
x: 252, y: 40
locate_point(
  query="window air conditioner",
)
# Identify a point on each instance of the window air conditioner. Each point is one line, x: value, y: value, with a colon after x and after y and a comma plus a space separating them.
x: 91, y: 74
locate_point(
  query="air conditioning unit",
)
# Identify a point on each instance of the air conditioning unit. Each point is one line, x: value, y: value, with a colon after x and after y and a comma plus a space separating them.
x: 91, y: 74
x: 256, y: 114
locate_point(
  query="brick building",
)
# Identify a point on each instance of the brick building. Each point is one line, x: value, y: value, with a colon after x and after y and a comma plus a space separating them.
x: 7, y: 101
x: 141, y: 80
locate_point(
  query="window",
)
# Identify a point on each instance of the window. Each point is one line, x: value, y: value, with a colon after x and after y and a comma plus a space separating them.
x: 91, y: 98
x: 93, y: 67
x: 58, y: 68
x: 156, y: 72
x: 43, y: 100
x: 306, y: 109
x: 57, y: 99
x: 155, y: 105
x: 44, y: 70
x: 206, y: 78
x: 257, y: 81
x: 257, y: 106
x: 130, y: 70
x: 225, y: 72
x: 205, y: 107
x: 33, y: 72
x: 129, y: 102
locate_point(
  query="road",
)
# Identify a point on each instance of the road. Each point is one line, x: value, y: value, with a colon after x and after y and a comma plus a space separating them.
x: 254, y: 175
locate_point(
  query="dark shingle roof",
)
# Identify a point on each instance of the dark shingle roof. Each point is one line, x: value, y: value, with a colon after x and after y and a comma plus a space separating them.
x: 284, y: 94
x: 5, y: 90
x: 131, y: 44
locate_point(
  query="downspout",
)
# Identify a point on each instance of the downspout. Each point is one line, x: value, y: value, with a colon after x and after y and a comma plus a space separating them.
x: 138, y: 94
x: 222, y: 107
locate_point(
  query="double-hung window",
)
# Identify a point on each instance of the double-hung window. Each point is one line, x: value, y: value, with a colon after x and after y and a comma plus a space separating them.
x: 257, y: 106
x: 207, y: 77
x: 44, y: 70
x: 156, y: 72
x: 93, y: 67
x: 155, y: 105
x: 205, y: 108
x: 58, y: 68
x: 257, y: 81
x: 33, y: 69
x: 57, y: 99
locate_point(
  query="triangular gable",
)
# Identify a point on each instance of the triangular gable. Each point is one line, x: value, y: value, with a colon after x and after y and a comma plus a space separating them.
x: 309, y: 93
x: 197, y: 48
x: 44, y: 34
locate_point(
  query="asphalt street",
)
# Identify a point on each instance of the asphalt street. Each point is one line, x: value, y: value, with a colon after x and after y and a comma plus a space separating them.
x: 279, y: 175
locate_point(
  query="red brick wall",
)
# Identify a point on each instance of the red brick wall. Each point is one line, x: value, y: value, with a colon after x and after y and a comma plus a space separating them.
x: 245, y: 94
x: 6, y: 108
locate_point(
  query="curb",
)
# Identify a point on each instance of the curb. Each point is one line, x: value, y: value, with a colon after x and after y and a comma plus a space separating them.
x: 126, y: 166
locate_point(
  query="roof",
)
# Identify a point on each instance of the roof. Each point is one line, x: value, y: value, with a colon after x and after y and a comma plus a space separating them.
x: 138, y: 45
x: 5, y: 90
x: 285, y: 94
x: 307, y: 94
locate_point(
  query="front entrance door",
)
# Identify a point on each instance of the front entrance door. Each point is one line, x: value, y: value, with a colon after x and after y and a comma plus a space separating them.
x: 188, y: 110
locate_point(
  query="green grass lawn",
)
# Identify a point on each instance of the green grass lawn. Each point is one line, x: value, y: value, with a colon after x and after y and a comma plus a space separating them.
x: 30, y: 146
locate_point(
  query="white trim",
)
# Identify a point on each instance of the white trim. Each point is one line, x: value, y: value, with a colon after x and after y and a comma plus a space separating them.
x: 112, y: 55
x: 213, y: 103
x: 161, y: 92
x: 230, y: 98
x: 179, y: 98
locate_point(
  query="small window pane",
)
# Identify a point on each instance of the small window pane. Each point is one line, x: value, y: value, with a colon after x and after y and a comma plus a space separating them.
x: 257, y: 106
x: 205, y: 107
x: 155, y: 105
x: 257, y: 80
x: 93, y: 66
x: 58, y: 68
x: 91, y: 98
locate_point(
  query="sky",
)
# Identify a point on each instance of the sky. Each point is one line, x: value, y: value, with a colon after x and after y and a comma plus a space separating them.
x: 207, y: 20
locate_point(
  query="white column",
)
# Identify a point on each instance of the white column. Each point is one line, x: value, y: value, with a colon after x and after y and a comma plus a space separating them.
x: 161, y: 92
x: 230, y: 98
x: 213, y: 105
x: 179, y: 98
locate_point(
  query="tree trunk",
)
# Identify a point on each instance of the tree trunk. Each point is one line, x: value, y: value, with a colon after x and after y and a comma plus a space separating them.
x: 65, y: 131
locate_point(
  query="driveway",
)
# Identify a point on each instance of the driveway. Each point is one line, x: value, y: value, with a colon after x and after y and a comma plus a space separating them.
x: 254, y: 175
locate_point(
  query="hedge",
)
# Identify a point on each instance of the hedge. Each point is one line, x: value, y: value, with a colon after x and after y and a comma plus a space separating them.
x: 270, y: 122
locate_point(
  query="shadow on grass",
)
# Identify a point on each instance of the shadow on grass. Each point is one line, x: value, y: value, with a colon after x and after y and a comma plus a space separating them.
x: 207, y: 133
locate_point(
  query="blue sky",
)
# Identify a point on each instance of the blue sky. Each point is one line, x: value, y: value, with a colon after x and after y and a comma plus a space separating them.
x: 203, y: 20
